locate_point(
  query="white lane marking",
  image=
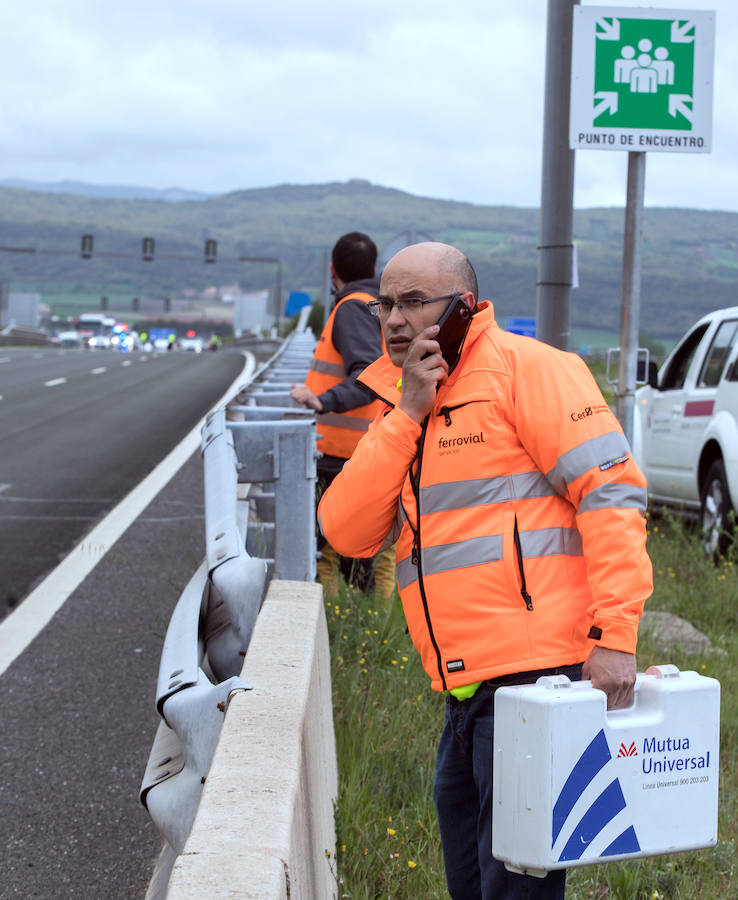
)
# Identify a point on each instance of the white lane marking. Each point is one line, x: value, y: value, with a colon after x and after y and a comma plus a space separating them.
x: 57, y: 501
x: 54, y: 382
x: 98, y: 371
x: 59, y: 518
x: 36, y: 611
x: 56, y: 518
x: 4, y: 487
x: 4, y: 359
x: 126, y: 362
x: 37, y: 356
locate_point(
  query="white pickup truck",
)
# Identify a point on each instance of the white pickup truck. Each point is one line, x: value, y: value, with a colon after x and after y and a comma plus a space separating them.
x: 685, y: 430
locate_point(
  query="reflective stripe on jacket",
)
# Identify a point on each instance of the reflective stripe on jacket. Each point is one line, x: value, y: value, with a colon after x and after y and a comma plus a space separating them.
x: 520, y: 515
x: 338, y: 433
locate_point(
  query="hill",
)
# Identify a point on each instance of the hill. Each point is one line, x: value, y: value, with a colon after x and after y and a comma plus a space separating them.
x: 690, y: 257
x: 120, y: 191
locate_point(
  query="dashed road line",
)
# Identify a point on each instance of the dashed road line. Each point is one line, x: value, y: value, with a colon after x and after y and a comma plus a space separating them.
x: 55, y: 516
x: 4, y: 359
x: 57, y: 501
x: 37, y: 609
x: 98, y: 371
x: 126, y: 362
x: 54, y: 382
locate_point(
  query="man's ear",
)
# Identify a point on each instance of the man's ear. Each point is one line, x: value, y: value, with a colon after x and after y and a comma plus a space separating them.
x: 468, y: 298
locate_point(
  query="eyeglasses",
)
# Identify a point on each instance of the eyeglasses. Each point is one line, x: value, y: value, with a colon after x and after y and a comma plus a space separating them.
x: 384, y: 307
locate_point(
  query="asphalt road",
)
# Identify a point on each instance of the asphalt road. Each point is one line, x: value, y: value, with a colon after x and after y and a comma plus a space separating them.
x: 77, y: 713
x: 78, y: 430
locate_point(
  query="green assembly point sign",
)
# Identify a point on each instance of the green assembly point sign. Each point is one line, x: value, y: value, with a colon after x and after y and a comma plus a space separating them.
x: 642, y: 79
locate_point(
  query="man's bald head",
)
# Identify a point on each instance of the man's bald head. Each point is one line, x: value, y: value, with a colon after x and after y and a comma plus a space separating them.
x: 439, y: 262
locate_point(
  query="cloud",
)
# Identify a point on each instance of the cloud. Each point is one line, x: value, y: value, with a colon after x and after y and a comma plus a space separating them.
x: 428, y: 97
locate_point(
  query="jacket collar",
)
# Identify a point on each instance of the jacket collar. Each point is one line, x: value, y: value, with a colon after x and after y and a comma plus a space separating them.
x: 365, y: 285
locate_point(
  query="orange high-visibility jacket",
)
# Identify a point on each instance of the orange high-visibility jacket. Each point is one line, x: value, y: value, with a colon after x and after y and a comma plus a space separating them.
x: 519, y: 509
x: 338, y: 433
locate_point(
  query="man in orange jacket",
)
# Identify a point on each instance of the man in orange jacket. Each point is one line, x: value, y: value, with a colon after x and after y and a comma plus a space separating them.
x: 349, y: 342
x: 518, y: 514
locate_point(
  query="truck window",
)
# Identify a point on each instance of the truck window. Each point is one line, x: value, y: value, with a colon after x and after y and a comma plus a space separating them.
x: 676, y: 371
x: 732, y: 373
x: 718, y: 353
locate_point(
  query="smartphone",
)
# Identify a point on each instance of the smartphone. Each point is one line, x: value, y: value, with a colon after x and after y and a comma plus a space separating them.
x: 454, y: 323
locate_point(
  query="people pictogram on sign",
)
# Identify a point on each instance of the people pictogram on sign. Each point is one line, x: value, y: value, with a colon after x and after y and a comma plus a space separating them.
x: 644, y: 79
x: 625, y: 65
x: 645, y: 72
x: 663, y: 65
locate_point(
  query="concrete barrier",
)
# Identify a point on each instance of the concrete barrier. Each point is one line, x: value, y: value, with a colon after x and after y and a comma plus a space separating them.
x: 265, y: 828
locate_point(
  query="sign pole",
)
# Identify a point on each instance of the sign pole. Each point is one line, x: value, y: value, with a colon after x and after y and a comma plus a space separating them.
x: 553, y: 285
x: 630, y: 311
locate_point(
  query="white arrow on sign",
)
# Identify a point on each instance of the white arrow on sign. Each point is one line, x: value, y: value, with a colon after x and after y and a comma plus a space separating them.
x: 608, y: 100
x: 677, y: 104
x: 680, y: 31
x: 609, y: 29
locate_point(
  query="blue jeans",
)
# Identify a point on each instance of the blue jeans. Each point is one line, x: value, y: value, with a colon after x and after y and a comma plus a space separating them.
x: 463, y: 795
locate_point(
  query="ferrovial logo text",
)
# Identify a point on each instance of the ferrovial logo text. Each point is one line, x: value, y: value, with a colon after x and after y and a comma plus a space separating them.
x: 443, y: 443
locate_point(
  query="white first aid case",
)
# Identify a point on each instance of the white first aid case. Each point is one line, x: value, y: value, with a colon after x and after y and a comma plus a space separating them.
x: 574, y: 784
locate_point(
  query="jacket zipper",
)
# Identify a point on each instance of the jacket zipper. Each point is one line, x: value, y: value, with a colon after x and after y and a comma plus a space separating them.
x: 416, y: 557
x: 519, y: 551
x: 446, y: 411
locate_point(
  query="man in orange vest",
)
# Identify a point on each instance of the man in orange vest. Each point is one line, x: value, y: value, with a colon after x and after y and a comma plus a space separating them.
x: 350, y: 341
x: 518, y: 513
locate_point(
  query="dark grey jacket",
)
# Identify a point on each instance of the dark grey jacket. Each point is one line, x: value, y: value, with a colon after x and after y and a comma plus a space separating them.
x: 358, y: 338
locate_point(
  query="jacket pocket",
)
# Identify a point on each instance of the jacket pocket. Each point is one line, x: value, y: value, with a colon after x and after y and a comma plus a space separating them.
x: 512, y: 555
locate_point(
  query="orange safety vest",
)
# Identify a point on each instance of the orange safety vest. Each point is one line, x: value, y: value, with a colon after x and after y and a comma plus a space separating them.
x: 338, y: 433
x: 519, y: 511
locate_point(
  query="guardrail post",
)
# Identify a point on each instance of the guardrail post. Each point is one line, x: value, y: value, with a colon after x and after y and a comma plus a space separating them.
x: 283, y: 453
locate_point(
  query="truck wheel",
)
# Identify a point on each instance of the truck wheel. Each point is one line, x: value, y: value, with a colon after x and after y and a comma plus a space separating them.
x: 716, y: 518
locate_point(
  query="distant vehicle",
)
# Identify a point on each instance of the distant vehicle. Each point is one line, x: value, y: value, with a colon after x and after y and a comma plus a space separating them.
x: 128, y: 341
x: 67, y: 339
x: 99, y: 342
x: 192, y: 344
x: 159, y: 338
x: 685, y: 434
x: 97, y: 326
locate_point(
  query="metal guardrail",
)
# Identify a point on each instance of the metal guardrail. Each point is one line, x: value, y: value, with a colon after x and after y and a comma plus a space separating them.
x: 191, y: 706
x: 259, y: 481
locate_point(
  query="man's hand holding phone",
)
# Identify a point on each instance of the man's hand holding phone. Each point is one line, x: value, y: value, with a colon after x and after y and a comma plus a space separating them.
x: 423, y: 370
x: 431, y: 357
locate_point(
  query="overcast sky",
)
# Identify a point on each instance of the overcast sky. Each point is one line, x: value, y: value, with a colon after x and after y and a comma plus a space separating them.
x: 435, y: 98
